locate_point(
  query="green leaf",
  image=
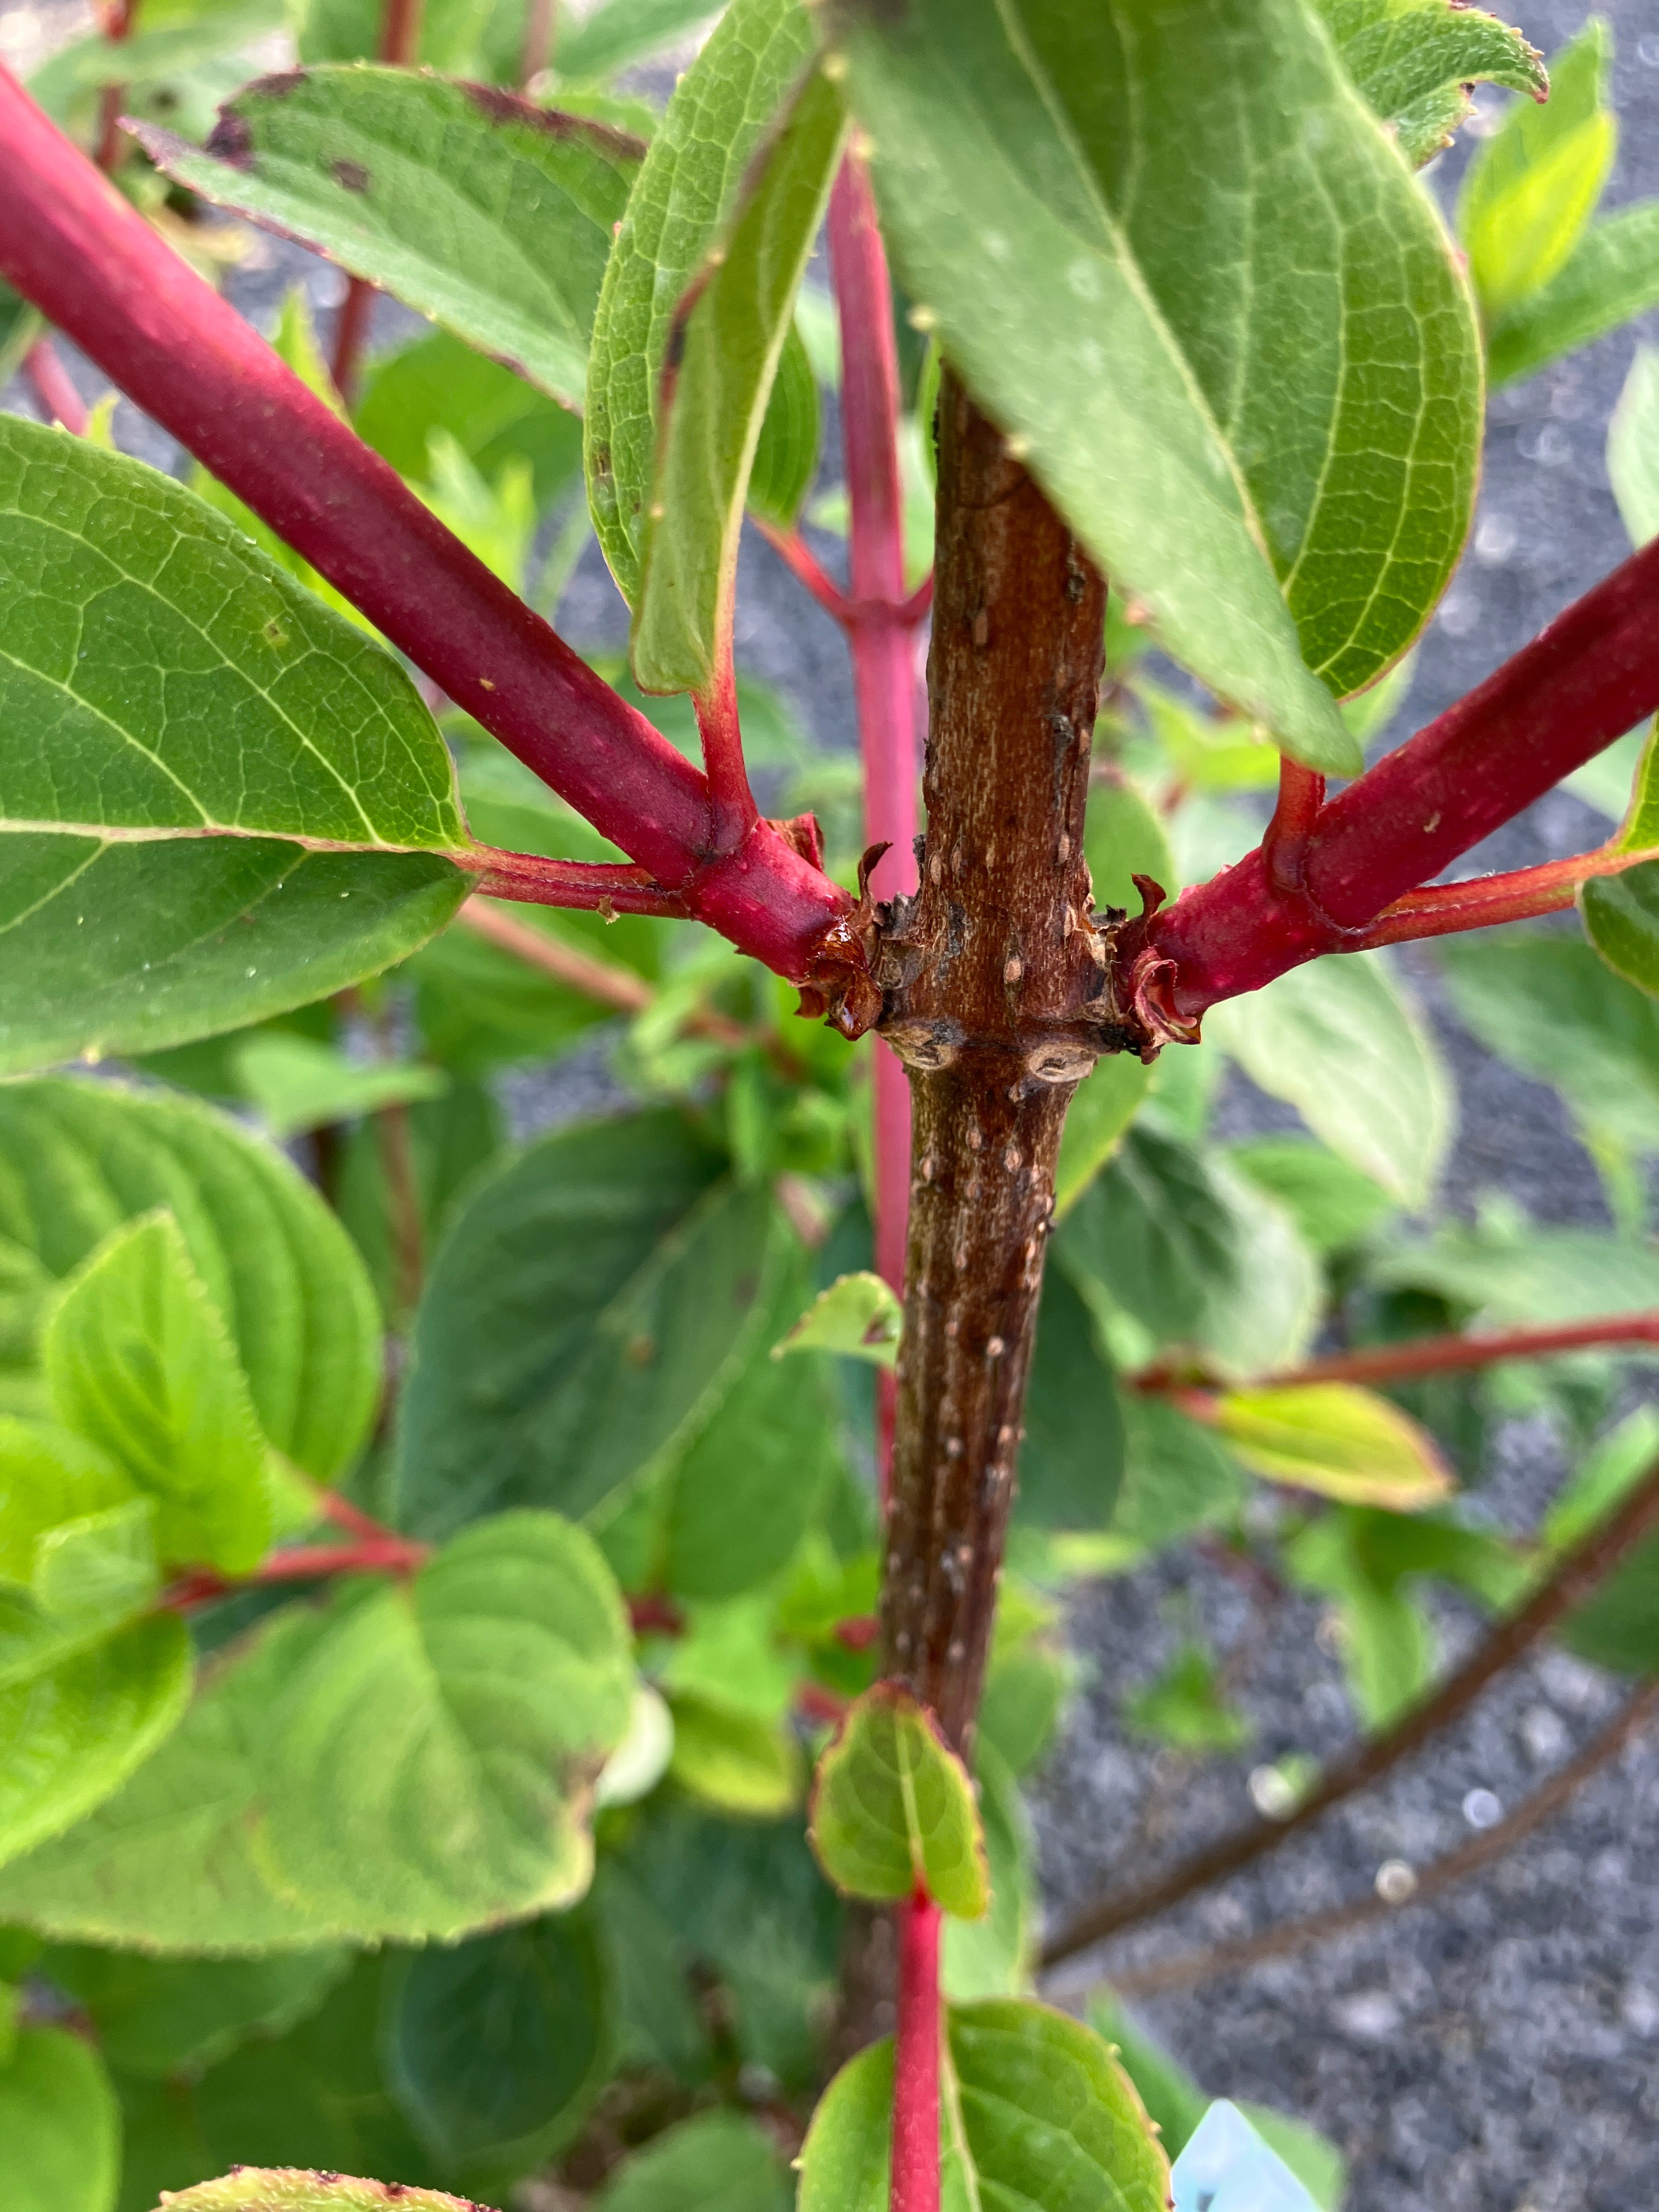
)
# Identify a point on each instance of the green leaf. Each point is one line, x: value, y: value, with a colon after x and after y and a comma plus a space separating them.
x: 858, y: 1316
x: 99, y: 1568
x: 49, y: 1476
x: 624, y: 31
x: 1416, y: 60
x: 993, y: 1957
x: 161, y: 2017
x: 1525, y: 1272
x: 1621, y: 920
x: 719, y: 2161
x: 1337, y: 1440
x: 722, y: 353
x: 490, y: 214
x: 1107, y: 263
x: 688, y: 189
x: 1388, y: 1646
x: 1633, y: 447
x: 747, y: 1766
x: 1548, y: 1005
x: 78, y: 1713
x: 198, y: 745
x: 1177, y: 1475
x: 1618, y: 1627
x: 1103, y: 1107
x: 591, y: 1303
x: 1532, y: 185
x: 1613, y: 274
x: 250, y: 2189
x: 1333, y: 1205
x: 60, y: 2124
x: 459, y: 1721
x: 785, y: 458
x: 1034, y: 2110
x: 138, y: 1359
x: 440, y: 383
x: 1123, y: 838
x: 496, y: 2049
x: 80, y: 1160
x: 740, y: 1497
x: 1339, y: 1041
x: 1071, y: 1461
x: 21, y: 325
x: 298, y: 1083
x: 893, y: 1808
x: 154, y: 54
x: 1615, y: 1464
x: 1186, y: 1706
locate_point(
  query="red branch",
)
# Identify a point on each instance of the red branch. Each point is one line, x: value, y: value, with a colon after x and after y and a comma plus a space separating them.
x: 1425, y: 1355
x: 118, y: 23
x: 797, y: 556
x: 59, y: 397
x: 1482, y: 901
x: 1584, y: 681
x: 915, y: 2060
x: 590, y: 886
x: 732, y: 810
x: 380, y: 1554
x: 399, y: 44
x: 71, y: 243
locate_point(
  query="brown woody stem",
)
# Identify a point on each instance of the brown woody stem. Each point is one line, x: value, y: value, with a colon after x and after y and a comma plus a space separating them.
x: 1572, y: 1580
x: 987, y: 970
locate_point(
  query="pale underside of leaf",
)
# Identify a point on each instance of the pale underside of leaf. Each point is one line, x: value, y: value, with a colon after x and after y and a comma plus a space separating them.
x: 1252, y: 374
x: 489, y: 213
x: 252, y: 2188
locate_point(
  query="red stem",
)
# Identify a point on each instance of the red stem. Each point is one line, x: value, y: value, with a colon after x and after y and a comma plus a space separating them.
x: 71, y: 243
x: 1584, y: 681
x: 731, y: 808
x: 915, y: 2060
x: 1283, y: 849
x: 1477, y: 903
x: 112, y: 146
x: 57, y: 397
x: 400, y: 42
x: 380, y: 1554
x: 590, y: 886
x: 881, y: 632
x: 1433, y: 1355
x: 803, y: 565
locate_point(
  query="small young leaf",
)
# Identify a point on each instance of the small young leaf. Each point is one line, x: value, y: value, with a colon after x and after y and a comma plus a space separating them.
x: 1633, y: 447
x: 49, y: 1476
x: 78, y: 1713
x: 86, y: 1157
x: 1034, y: 2109
x: 691, y: 184
x: 496, y: 2049
x: 1118, y: 247
x: 298, y: 1083
x: 1339, y: 1042
x: 249, y: 2189
x: 100, y: 1568
x: 1338, y: 1440
x: 1415, y: 61
x: 137, y: 1359
x: 490, y: 214
x: 722, y: 354
x: 60, y: 2125
x: 1186, y: 1706
x: 1532, y: 187
x: 893, y: 1808
x: 1613, y: 274
x: 717, y: 2159
x: 858, y: 1316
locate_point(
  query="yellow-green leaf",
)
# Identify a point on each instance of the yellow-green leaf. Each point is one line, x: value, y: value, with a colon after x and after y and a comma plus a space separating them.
x: 1334, y: 1438
x: 893, y: 1808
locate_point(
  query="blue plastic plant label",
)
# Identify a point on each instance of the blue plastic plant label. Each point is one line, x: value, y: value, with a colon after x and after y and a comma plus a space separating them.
x: 1227, y: 2167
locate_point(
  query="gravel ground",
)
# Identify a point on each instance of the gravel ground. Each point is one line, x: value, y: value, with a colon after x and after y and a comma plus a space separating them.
x: 1494, y: 2051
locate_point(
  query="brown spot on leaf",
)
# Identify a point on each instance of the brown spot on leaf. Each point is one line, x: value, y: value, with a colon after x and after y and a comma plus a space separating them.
x: 503, y: 106
x: 230, y: 140
x: 352, y: 175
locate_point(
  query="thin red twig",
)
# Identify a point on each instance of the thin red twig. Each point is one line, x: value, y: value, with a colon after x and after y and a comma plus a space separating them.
x: 803, y: 565
x: 1439, y: 909
x: 352, y: 1518
x: 118, y: 23
x: 915, y: 2180
x: 604, y: 887
x: 399, y: 44
x: 72, y: 245
x: 59, y: 397
x: 731, y: 808
x: 1301, y: 796
x: 1429, y: 1355
x: 381, y: 1554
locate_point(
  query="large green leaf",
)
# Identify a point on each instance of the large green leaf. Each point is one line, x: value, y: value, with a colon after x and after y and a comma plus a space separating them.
x: 162, y: 2017
x: 138, y: 1359
x: 893, y: 1808
x: 1532, y: 187
x: 490, y: 214
x: 591, y: 1301
x: 719, y: 2161
x: 60, y: 2125
x: 1034, y: 2110
x: 1338, y: 1041
x: 496, y: 2049
x: 722, y: 354
x: 1115, y: 234
x: 79, y: 1159
x: 1523, y: 1272
x: 1416, y: 62
x: 434, y: 1752
x: 1613, y: 274
x: 217, y: 798
x: 78, y: 1714
x: 690, y: 183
